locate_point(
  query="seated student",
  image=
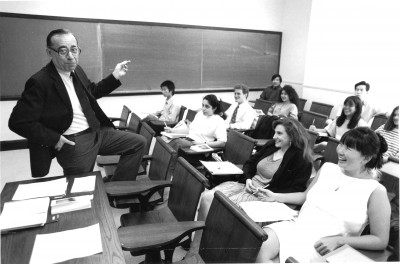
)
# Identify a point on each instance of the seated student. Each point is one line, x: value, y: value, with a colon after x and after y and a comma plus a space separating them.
x: 361, y: 90
x: 287, y: 103
x: 282, y: 165
x: 271, y: 93
x: 341, y: 200
x: 390, y: 131
x: 207, y: 127
x: 349, y: 119
x: 171, y: 108
x: 240, y: 115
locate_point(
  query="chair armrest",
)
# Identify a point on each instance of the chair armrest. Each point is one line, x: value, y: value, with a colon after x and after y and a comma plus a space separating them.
x: 113, y: 119
x: 132, y: 188
x: 107, y: 160
x: 156, y: 236
x: 110, y: 160
x: 396, y: 160
x: 189, y: 151
x: 161, y: 123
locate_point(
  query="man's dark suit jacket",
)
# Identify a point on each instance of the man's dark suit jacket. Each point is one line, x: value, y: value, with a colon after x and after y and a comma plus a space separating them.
x: 44, y: 112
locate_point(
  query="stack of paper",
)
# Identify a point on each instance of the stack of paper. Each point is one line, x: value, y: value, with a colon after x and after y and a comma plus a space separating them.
x: 41, y: 189
x: 70, y: 204
x: 24, y: 214
x: 221, y: 167
x: 268, y: 211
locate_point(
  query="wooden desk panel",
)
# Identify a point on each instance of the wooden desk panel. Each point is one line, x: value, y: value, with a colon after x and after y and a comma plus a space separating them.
x: 17, y: 247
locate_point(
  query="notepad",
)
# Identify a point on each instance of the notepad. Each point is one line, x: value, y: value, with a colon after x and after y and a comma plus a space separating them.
x: 262, y: 212
x: 24, y: 214
x: 201, y: 148
x: 84, y: 184
x: 221, y: 167
x: 347, y: 254
x: 173, y: 135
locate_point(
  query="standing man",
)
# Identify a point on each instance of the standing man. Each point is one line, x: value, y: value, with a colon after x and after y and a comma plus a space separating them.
x: 240, y: 115
x: 272, y: 92
x: 59, y: 115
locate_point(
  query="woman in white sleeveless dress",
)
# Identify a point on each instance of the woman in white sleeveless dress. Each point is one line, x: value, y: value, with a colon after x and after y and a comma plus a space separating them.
x: 338, y: 204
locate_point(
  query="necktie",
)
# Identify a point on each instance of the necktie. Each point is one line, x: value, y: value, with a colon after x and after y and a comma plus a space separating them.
x: 85, y: 104
x: 233, y: 119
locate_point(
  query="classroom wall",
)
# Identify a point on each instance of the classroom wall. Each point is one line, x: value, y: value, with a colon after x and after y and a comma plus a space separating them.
x: 255, y: 14
x: 351, y: 41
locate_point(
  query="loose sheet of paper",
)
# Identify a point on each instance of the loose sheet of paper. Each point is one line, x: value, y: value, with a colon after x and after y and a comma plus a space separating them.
x: 221, y: 168
x: 83, y: 184
x: 65, y: 245
x: 267, y: 211
x: 41, y: 189
x: 347, y: 254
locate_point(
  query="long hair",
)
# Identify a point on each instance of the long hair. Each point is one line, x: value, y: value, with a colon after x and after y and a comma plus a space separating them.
x: 389, y: 125
x: 368, y: 143
x: 215, y: 103
x: 299, y: 137
x: 293, y: 97
x: 351, y: 101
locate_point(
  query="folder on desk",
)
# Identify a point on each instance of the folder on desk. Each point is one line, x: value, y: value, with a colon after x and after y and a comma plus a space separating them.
x: 24, y: 214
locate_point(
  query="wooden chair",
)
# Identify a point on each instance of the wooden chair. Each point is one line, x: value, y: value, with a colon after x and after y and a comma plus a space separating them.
x: 313, y: 137
x: 300, y: 108
x: 329, y: 154
x: 186, y: 188
x: 264, y: 105
x: 225, y: 105
x: 321, y: 108
x: 237, y: 242
x: 238, y: 148
x: 162, y: 160
x: 158, y: 125
x: 123, y: 120
x: 378, y: 121
x: 135, y: 123
x: 308, y: 118
x: 190, y: 115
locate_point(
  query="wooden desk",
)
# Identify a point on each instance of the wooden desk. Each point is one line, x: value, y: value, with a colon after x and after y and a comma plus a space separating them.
x: 17, y: 247
x: 391, y: 168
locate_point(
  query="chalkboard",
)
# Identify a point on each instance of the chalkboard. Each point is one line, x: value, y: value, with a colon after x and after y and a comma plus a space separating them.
x: 193, y: 57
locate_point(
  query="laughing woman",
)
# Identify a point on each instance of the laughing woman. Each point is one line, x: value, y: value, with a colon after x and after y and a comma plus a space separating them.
x: 336, y: 207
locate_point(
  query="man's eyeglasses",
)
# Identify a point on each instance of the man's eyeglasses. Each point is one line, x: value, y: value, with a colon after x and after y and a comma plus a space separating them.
x: 64, y: 51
